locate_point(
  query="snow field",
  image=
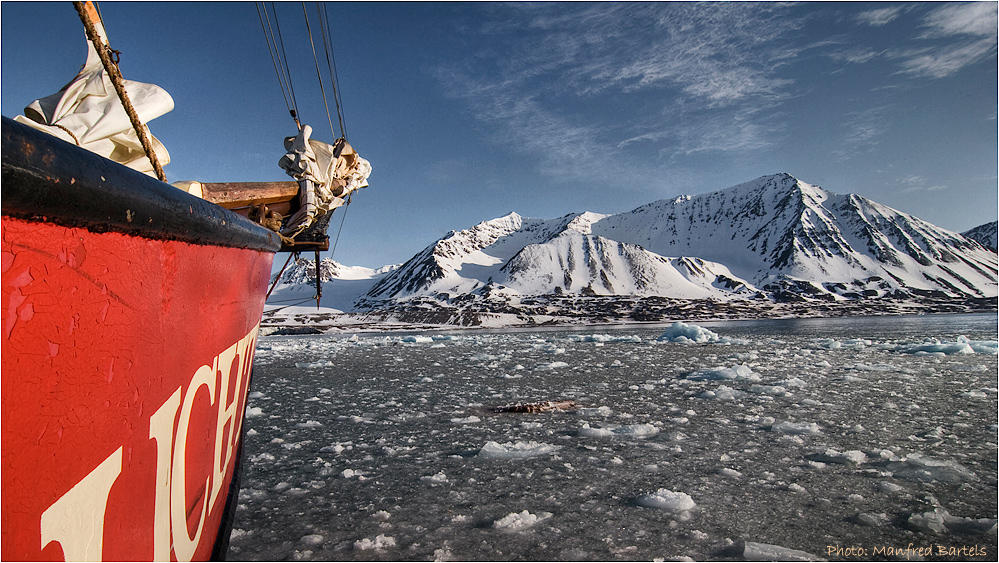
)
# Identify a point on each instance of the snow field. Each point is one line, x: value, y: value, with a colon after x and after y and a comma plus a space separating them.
x: 395, y: 453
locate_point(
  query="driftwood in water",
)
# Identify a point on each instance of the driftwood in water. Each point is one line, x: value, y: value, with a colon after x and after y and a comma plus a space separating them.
x: 543, y: 406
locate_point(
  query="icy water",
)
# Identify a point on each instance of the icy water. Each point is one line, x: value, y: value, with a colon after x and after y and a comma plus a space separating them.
x: 845, y: 439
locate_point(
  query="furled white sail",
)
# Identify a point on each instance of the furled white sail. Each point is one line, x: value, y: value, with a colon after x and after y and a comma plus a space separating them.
x: 88, y: 113
x: 326, y: 179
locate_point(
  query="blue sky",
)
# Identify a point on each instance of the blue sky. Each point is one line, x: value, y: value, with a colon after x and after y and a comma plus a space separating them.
x: 469, y: 111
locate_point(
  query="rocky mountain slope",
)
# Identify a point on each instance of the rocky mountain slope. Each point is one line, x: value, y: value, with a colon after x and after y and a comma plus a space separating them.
x: 773, y: 240
x: 986, y: 234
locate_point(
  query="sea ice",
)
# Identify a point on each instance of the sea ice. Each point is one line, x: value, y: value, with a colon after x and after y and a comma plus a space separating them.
x: 673, y: 502
x: 438, y: 479
x: 916, y: 467
x: 417, y: 339
x: 638, y: 430
x: 522, y: 520
x: 855, y: 457
x: 684, y: 333
x: 739, y: 372
x: 723, y: 393
x: 788, y: 427
x: 515, y: 450
x: 940, y: 521
x: 754, y: 551
x: 380, y: 542
x: 467, y: 420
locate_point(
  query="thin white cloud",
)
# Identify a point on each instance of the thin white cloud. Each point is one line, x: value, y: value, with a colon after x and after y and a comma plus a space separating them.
x: 963, y: 18
x: 555, y: 79
x: 946, y: 60
x: 863, y: 130
x: 950, y: 36
x: 880, y: 16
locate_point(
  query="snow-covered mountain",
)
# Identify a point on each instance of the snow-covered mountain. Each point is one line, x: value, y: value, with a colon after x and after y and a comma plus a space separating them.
x: 773, y: 239
x: 986, y: 234
x: 781, y: 233
x: 517, y: 256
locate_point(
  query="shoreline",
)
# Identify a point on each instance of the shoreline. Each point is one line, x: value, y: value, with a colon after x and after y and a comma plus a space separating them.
x: 607, y: 312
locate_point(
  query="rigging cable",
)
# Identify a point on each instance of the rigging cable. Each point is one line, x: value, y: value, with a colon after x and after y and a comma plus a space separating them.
x: 279, y: 57
x: 331, y: 64
x: 319, y: 74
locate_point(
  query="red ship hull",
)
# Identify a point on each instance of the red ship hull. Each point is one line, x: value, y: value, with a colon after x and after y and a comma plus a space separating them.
x: 128, y: 339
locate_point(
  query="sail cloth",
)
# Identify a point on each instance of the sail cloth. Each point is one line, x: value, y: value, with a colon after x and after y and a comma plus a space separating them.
x: 88, y: 113
x: 326, y: 174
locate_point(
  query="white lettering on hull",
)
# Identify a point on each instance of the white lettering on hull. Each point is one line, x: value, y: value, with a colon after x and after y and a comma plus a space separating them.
x: 76, y: 519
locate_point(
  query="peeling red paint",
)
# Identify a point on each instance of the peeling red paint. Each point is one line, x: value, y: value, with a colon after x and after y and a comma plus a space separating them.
x: 100, y: 331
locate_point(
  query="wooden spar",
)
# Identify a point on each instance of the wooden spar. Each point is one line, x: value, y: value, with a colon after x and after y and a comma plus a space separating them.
x: 233, y: 195
x: 88, y: 15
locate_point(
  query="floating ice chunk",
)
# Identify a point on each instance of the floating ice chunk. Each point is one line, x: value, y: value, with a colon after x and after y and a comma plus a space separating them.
x: 938, y: 348
x: 254, y: 412
x: 311, y: 539
x: 589, y: 432
x: 553, y: 365
x: 739, y: 372
x: 467, y: 420
x: 673, y: 502
x: 788, y: 427
x: 753, y: 551
x: 261, y: 457
x: 726, y: 472
x: 855, y: 457
x: 515, y: 450
x: 319, y: 364
x: 522, y: 520
x: 683, y: 333
x: 940, y: 521
x: 831, y: 344
x: 417, y: 339
x: 872, y: 520
x: 723, y: 393
x: 888, y: 487
x: 309, y: 424
x: 916, y: 467
x: 598, y: 411
x: 350, y: 473
x: 380, y: 542
x: 978, y: 393
x: 439, y: 479
x: 769, y: 390
x: 638, y: 430
x: 792, y: 382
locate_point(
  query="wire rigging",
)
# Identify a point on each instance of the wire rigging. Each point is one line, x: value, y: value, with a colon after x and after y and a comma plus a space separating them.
x: 331, y: 64
x: 279, y: 57
x: 319, y: 74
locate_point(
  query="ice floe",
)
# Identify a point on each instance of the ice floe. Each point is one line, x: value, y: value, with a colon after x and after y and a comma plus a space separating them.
x: 515, y: 450
x: 675, y: 502
x: 516, y: 521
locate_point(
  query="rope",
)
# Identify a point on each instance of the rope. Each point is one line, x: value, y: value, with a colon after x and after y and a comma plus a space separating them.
x: 331, y: 64
x: 343, y: 217
x: 319, y: 74
x: 279, y: 57
x: 278, y: 278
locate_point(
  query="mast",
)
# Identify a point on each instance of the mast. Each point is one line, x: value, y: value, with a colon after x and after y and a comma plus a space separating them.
x: 95, y: 32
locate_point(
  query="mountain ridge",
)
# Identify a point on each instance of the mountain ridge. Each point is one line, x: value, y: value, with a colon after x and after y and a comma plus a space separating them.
x: 773, y: 239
